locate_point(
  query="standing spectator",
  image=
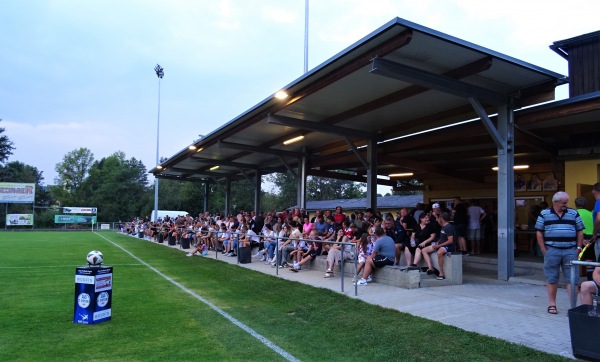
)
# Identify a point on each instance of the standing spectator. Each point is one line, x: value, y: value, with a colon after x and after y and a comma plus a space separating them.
x: 409, y: 225
x: 559, y: 232
x: 461, y: 220
x: 588, y: 253
x: 476, y: 216
x: 339, y: 215
x: 596, y: 217
x: 417, y: 211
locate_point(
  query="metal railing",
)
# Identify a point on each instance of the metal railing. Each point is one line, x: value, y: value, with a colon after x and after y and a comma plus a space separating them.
x: 277, y: 254
x: 574, y: 266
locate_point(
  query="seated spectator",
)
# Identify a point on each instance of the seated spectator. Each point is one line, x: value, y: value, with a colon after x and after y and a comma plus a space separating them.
x: 269, y: 242
x: 307, y: 226
x: 590, y: 288
x: 334, y: 256
x: 298, y: 253
x: 223, y: 238
x: 314, y: 250
x: 444, y: 245
x: 422, y: 236
x: 285, y: 246
x: 365, y: 249
x: 200, y: 249
x: 244, y: 238
x: 384, y: 251
x: 321, y: 226
x: 234, y: 236
x: 295, y: 234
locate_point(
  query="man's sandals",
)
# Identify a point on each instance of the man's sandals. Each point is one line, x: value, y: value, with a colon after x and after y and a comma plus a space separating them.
x: 552, y: 309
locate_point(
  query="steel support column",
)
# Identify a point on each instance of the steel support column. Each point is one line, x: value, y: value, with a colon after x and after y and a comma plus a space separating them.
x: 227, y: 196
x: 206, y: 193
x: 257, y: 188
x: 302, y: 165
x: 372, y: 174
x: 506, y: 194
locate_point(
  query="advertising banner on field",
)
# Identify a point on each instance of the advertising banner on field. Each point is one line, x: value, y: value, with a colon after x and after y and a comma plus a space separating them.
x: 14, y: 193
x: 93, y: 294
x: 19, y: 219
x: 74, y: 219
x: 80, y: 210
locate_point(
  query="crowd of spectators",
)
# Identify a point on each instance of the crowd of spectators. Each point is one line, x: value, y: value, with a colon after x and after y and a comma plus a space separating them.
x: 291, y: 238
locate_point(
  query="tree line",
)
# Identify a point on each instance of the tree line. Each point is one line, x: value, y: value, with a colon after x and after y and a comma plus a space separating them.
x: 120, y: 189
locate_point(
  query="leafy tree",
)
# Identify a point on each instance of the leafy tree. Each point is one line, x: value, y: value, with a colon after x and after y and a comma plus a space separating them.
x: 72, y: 171
x: 6, y: 146
x: 117, y: 187
x: 180, y: 195
x: 19, y: 172
x: 408, y: 184
x: 321, y: 188
x: 286, y: 189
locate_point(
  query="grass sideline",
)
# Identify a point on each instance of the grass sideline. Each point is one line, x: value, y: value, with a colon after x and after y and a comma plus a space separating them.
x: 153, y: 320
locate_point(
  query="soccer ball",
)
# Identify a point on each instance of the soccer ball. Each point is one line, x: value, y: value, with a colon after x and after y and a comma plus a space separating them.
x: 95, y: 257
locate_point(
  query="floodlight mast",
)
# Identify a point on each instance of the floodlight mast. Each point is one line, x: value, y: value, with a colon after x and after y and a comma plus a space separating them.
x: 160, y: 74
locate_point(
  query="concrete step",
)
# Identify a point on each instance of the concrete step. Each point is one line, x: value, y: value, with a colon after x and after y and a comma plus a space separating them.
x: 522, y: 266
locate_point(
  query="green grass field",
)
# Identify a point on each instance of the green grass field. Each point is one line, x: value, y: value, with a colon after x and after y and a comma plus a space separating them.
x: 154, y: 320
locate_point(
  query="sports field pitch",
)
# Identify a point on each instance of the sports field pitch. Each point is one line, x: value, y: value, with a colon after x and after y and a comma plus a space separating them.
x: 167, y: 306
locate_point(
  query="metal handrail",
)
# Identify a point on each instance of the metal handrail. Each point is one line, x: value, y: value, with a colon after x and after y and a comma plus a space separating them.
x: 574, y: 264
x: 277, y: 238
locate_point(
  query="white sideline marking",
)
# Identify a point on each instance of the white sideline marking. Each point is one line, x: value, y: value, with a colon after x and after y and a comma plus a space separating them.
x: 252, y: 332
x: 58, y: 266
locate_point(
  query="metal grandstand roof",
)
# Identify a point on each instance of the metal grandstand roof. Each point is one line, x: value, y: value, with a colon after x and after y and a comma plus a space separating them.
x: 396, y: 83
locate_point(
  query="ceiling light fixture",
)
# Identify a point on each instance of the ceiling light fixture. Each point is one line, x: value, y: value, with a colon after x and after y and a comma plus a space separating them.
x: 281, y: 95
x: 402, y: 174
x: 199, y: 149
x: 515, y: 167
x: 214, y: 168
x: 292, y: 140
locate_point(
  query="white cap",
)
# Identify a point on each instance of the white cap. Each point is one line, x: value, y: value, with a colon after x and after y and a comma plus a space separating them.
x: 435, y: 206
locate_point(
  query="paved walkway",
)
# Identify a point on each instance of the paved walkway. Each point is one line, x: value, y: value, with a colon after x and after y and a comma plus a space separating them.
x: 513, y: 311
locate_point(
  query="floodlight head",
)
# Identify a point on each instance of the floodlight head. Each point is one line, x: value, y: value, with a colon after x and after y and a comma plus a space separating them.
x: 159, y: 71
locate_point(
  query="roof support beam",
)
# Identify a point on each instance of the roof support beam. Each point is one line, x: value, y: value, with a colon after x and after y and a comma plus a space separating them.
x: 348, y: 177
x: 247, y: 178
x: 320, y: 127
x: 418, y: 166
x: 355, y: 150
x: 289, y: 168
x: 487, y: 123
x: 442, y: 83
x: 257, y: 149
x: 238, y: 165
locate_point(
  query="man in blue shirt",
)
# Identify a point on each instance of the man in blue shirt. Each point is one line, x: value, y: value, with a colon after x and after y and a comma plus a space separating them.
x: 559, y: 232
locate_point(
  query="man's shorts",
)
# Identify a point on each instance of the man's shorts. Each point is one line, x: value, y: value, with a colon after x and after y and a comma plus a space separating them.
x: 461, y: 230
x: 474, y: 234
x: 556, y: 258
x: 449, y: 248
x: 380, y: 261
x: 596, y: 285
